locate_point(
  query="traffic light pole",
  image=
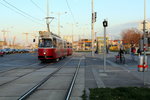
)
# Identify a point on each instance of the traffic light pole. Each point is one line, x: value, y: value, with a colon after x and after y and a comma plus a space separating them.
x: 105, y: 24
x: 104, y: 49
x: 92, y: 28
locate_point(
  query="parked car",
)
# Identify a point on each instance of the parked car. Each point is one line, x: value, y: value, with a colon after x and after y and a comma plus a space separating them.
x: 1, y: 52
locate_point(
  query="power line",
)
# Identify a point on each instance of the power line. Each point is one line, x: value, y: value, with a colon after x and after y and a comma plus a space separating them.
x: 37, y: 6
x: 70, y: 10
x: 21, y: 11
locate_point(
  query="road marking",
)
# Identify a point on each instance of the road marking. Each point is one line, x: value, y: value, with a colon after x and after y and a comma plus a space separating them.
x: 98, y: 80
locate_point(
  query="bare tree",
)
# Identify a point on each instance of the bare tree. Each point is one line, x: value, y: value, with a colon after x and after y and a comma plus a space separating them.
x: 131, y: 36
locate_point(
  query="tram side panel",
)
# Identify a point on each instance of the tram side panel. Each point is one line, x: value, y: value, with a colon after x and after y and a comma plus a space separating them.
x: 69, y: 51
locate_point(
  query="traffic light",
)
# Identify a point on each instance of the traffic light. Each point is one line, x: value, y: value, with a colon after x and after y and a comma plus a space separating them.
x: 33, y: 40
x: 94, y: 16
x: 105, y: 23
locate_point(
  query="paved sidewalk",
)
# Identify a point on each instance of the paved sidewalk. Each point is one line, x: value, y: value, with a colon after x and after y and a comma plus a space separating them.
x: 117, y: 75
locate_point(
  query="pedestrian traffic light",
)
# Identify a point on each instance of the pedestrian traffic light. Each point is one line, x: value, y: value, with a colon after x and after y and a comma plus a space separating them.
x: 105, y: 23
x: 33, y: 40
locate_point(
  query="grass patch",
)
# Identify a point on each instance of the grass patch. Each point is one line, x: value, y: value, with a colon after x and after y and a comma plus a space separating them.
x: 84, y: 95
x: 121, y: 93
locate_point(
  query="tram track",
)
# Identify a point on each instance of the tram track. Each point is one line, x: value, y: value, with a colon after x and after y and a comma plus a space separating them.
x: 33, y: 89
x: 68, y: 90
x: 28, y: 67
x: 19, y: 76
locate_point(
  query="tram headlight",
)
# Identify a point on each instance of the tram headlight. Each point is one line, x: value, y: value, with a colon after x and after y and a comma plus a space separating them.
x: 44, y: 53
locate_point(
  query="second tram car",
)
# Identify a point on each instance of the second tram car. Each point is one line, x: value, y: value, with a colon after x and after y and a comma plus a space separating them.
x: 52, y: 48
x: 69, y: 49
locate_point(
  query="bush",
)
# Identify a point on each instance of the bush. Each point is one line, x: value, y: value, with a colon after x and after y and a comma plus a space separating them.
x: 121, y: 93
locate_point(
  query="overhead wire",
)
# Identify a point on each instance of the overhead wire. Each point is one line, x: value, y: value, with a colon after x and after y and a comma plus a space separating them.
x: 70, y: 10
x: 21, y: 10
x: 37, y: 6
x: 19, y: 13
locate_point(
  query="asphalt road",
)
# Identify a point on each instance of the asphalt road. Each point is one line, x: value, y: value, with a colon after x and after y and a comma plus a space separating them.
x: 18, y: 60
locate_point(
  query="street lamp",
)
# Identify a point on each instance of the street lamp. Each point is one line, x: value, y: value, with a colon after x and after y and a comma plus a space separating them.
x: 58, y: 14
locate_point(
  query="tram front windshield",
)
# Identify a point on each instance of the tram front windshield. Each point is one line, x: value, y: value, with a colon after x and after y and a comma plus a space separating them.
x: 45, y: 43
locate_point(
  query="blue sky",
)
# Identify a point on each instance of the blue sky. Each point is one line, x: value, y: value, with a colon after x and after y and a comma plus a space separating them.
x: 121, y: 14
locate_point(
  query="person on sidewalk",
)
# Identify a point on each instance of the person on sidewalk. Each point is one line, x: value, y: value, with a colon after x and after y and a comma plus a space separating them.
x: 133, y: 50
x: 139, y: 52
x: 121, y: 52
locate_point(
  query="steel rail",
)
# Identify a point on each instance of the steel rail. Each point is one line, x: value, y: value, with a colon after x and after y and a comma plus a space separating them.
x: 73, y: 82
x: 29, y: 92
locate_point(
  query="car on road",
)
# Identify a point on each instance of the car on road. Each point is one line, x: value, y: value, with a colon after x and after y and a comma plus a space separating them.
x: 1, y: 52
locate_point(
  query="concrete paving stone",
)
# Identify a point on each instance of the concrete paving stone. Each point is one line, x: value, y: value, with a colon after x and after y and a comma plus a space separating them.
x: 90, y: 81
x: 78, y: 90
x: 37, y: 73
x: 8, y: 98
x: 81, y: 76
x: 67, y: 70
x: 6, y: 79
x: 90, y: 84
x: 64, y: 74
x: 47, y: 70
x: 98, y: 79
x: 120, y: 79
x: 48, y: 95
x: 76, y: 98
x: 14, y: 90
x: 58, y: 82
x: 34, y: 77
x: 103, y: 74
x: 16, y: 72
x: 80, y: 80
x: 29, y: 80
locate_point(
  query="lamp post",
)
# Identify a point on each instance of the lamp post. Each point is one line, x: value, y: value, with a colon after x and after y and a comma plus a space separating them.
x: 92, y: 28
x: 58, y: 14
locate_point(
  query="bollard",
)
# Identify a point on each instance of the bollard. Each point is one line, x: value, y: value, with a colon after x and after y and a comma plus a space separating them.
x: 145, y: 64
x: 140, y: 65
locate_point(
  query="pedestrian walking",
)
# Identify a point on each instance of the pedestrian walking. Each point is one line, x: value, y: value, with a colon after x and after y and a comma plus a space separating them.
x: 133, y: 50
x: 139, y: 52
x: 121, y: 52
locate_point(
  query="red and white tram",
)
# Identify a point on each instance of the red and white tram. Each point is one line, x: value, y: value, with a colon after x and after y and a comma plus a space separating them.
x: 52, y: 48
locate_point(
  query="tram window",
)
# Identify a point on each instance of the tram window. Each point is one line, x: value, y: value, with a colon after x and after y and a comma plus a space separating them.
x: 45, y: 43
x: 65, y: 45
x: 60, y: 44
x: 54, y: 42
